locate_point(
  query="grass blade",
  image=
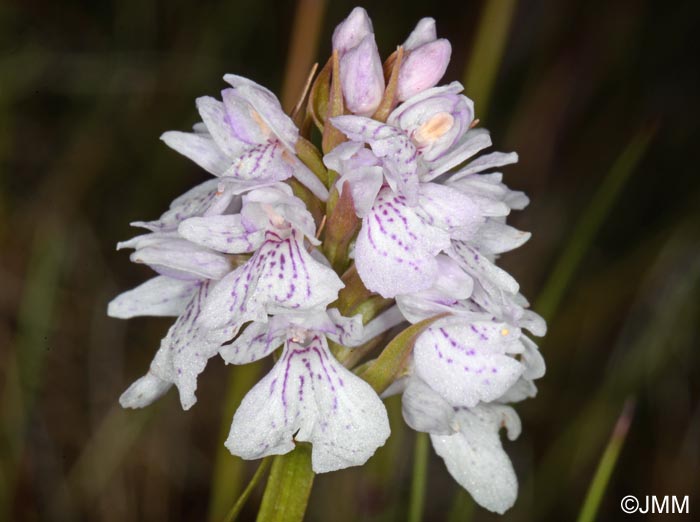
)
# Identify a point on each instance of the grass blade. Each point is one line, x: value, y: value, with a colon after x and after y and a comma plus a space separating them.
x: 238, y: 506
x: 607, y: 464
x: 420, y: 470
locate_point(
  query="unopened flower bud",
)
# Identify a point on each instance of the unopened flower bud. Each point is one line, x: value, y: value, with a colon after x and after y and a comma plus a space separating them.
x: 362, y: 78
x: 351, y: 31
x: 425, y: 60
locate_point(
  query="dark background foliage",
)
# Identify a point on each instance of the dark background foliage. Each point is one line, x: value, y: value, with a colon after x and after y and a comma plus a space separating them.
x: 86, y: 88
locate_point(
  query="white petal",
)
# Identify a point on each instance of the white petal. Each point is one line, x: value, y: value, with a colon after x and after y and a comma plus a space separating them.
x: 222, y: 233
x: 312, y: 395
x: 532, y: 360
x: 364, y: 184
x: 161, y: 296
x: 423, y: 33
x: 182, y: 259
x: 424, y: 410
x: 466, y: 362
x: 449, y: 209
x: 395, y: 250
x: 483, y: 269
x: 182, y: 356
x: 200, y: 148
x: 472, y: 142
x: 144, y: 391
x: 487, y: 161
x: 475, y: 457
x: 497, y: 238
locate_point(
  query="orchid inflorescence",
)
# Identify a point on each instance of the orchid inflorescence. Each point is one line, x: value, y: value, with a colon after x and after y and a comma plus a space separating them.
x: 331, y: 255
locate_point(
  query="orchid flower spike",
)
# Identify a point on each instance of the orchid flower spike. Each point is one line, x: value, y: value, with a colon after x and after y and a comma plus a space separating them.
x: 323, y: 258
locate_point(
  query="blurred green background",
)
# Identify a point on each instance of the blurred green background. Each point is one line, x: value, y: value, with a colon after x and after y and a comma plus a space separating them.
x: 599, y: 98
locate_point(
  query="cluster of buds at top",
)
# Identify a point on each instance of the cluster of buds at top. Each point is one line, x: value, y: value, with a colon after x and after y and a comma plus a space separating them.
x: 379, y: 247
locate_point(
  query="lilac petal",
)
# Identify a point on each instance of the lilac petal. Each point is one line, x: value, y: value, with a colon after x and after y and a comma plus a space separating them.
x: 222, y: 233
x: 471, y: 143
x: 161, y: 297
x: 308, y: 396
x: 485, y: 162
x: 467, y: 362
x: 475, y: 458
x: 423, y: 68
x: 389, y: 143
x: 424, y: 410
x: 182, y: 259
x: 423, y: 33
x: 200, y: 148
x: 257, y: 341
x: 362, y: 77
x: 351, y: 31
x: 395, y: 250
x: 216, y: 118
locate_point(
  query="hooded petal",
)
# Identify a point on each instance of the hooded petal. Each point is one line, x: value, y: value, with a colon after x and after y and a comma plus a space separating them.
x: 218, y: 122
x: 161, y: 296
x: 395, y: 250
x: 467, y: 362
x: 308, y: 393
x: 392, y: 145
x: 475, y: 458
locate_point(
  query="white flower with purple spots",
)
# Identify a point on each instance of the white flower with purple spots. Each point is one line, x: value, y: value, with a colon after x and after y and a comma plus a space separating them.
x: 308, y: 396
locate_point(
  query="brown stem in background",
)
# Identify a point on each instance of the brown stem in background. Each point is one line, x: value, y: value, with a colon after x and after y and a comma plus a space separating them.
x: 303, y: 46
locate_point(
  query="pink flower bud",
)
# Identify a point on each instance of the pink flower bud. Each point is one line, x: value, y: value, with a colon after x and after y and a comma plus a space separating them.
x: 423, y: 68
x: 351, y: 31
x: 362, y: 77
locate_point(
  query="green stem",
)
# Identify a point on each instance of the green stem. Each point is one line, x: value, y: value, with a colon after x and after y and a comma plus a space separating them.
x: 420, y: 469
x: 238, y: 506
x: 607, y: 464
x: 288, y: 487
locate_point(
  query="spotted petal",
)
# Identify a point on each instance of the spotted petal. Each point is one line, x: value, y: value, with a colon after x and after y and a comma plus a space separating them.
x: 228, y: 233
x: 280, y: 277
x: 182, y: 356
x: 308, y: 396
x: 475, y: 458
x: 395, y: 249
x: 467, y: 362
